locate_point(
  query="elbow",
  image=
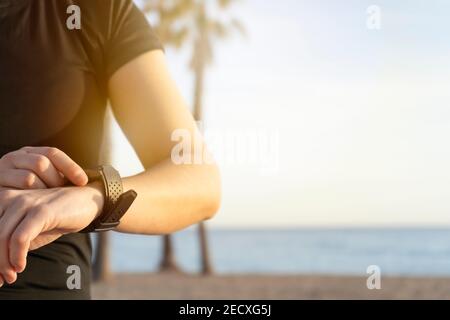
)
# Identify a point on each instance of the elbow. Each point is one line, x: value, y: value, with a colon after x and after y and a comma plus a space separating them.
x: 213, y: 199
x: 212, y: 207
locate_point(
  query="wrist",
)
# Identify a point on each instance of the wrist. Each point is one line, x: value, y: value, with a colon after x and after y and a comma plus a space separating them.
x: 115, y: 202
x: 97, y: 194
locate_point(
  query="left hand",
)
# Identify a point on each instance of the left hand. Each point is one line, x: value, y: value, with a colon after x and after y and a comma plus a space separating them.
x: 30, y: 219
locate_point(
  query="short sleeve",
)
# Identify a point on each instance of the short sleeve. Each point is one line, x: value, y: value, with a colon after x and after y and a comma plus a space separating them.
x: 128, y: 35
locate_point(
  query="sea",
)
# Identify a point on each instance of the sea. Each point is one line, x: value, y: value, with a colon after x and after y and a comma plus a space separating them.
x: 396, y: 252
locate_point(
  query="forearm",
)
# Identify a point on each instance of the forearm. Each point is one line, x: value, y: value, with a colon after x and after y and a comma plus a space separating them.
x: 171, y: 197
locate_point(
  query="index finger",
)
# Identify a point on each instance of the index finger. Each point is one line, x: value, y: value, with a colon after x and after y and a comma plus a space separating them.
x: 63, y: 163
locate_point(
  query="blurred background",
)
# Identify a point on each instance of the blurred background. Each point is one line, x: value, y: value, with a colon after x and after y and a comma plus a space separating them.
x: 330, y: 121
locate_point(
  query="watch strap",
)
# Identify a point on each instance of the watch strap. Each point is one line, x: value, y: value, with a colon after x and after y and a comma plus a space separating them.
x: 111, y: 220
x: 112, y: 183
x: 116, y: 202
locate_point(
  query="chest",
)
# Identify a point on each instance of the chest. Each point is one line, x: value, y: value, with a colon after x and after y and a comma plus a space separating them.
x: 40, y: 93
x: 52, y: 91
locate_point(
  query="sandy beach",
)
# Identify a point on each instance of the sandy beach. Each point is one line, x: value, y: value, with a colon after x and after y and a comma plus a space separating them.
x: 169, y: 286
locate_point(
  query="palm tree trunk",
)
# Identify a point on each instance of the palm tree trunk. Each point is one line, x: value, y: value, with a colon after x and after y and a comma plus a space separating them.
x: 206, y: 265
x: 101, y: 267
x: 207, y: 268
x: 168, y: 261
x: 199, y: 75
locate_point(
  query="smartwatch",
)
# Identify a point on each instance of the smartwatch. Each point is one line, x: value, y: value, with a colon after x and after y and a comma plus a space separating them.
x: 116, y: 201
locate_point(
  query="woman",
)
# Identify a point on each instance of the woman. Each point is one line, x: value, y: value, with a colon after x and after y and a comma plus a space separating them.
x: 60, y: 61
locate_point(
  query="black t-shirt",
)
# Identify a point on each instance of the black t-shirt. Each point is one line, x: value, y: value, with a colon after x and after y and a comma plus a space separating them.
x: 53, y: 92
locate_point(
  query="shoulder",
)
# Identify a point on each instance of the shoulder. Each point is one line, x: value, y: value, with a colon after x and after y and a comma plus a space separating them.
x: 109, y: 16
x: 104, y: 9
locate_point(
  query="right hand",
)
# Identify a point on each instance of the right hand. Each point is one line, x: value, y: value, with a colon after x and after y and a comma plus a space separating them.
x: 39, y: 168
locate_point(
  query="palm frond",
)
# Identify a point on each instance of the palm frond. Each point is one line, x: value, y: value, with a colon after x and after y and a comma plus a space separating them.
x: 189, y: 21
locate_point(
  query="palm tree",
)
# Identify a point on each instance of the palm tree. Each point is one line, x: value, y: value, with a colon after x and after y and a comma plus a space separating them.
x: 182, y: 22
x: 101, y: 266
x: 168, y: 262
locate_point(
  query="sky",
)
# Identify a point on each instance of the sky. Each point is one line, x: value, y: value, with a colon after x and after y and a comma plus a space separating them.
x: 320, y: 121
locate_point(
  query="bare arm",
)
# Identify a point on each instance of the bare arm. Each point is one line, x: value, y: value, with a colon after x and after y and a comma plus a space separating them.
x: 149, y: 108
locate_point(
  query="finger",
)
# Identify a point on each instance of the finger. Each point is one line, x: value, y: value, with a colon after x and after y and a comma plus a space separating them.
x: 10, y: 276
x: 5, y: 198
x: 41, y: 166
x: 1, y: 213
x: 27, y: 230
x: 20, y: 179
x: 63, y: 163
x: 44, y: 239
x: 1, y: 281
x: 8, y: 223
